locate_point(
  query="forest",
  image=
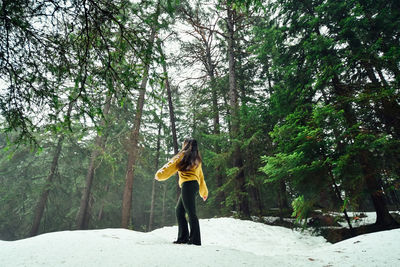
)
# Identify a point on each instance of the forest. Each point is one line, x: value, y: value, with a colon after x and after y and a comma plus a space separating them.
x: 295, y: 106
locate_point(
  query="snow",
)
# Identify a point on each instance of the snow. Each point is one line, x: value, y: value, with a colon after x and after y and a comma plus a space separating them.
x: 226, y: 242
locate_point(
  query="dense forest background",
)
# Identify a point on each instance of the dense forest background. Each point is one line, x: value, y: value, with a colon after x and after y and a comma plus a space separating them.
x: 295, y: 105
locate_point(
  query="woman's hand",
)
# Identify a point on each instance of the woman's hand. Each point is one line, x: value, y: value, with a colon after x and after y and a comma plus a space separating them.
x: 204, y: 198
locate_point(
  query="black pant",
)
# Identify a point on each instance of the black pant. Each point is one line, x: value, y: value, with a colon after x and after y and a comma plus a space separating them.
x: 187, y: 204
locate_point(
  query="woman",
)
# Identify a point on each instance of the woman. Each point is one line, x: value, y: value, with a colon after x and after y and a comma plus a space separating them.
x: 191, y: 180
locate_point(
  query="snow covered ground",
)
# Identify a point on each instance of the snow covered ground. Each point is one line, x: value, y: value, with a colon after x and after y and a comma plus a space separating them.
x: 226, y: 242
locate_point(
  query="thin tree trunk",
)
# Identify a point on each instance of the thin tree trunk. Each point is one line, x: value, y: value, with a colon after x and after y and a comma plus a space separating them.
x: 194, y: 112
x: 39, y: 210
x: 221, y: 195
x: 101, y: 210
x: 283, y: 201
x: 153, y: 190
x: 45, y: 193
x: 171, y: 113
x: 163, y: 203
x: 338, y: 195
x: 172, y: 120
x: 241, y: 192
x: 134, y: 137
x: 257, y: 207
x: 151, y: 216
x: 99, y: 145
x: 100, y: 214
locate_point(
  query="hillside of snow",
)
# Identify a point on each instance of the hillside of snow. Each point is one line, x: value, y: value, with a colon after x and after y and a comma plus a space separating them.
x: 226, y: 242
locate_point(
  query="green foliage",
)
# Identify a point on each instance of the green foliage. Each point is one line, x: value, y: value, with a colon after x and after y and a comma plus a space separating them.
x: 301, y: 209
x: 279, y: 166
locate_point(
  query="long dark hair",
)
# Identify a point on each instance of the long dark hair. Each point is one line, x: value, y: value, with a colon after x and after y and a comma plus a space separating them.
x: 191, y: 155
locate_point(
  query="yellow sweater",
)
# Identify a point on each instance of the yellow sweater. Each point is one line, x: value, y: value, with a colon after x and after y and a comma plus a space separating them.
x: 171, y: 168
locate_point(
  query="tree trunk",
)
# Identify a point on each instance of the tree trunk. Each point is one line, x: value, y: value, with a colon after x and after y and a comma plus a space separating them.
x: 383, y: 216
x: 134, y: 137
x: 256, y: 201
x: 241, y: 191
x: 132, y: 155
x: 100, y: 214
x: 99, y: 145
x: 86, y: 218
x: 216, y: 124
x: 153, y: 189
x: 171, y: 112
x: 171, y: 116
x: 283, y: 201
x: 163, y: 203
x: 46, y: 190
x: 45, y: 193
x: 338, y: 195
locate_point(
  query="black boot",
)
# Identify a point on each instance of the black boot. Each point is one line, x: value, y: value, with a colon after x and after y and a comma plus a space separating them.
x: 180, y: 242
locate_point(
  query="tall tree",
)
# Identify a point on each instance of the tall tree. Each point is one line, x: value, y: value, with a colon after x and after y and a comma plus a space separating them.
x: 170, y: 107
x: 157, y: 161
x: 83, y: 213
x: 232, y: 18
x: 134, y: 136
x: 205, y: 50
x: 41, y: 204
